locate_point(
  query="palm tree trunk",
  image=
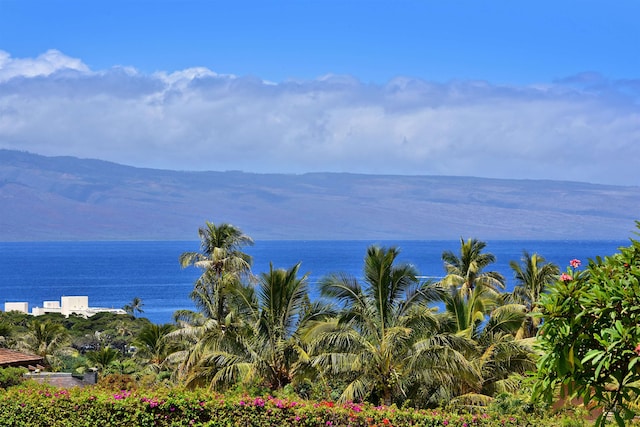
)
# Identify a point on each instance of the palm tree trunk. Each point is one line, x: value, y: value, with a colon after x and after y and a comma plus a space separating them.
x: 386, y: 396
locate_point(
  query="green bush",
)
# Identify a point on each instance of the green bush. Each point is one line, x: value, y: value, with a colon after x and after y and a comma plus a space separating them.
x: 11, y: 376
x: 32, y: 404
x: 590, y: 337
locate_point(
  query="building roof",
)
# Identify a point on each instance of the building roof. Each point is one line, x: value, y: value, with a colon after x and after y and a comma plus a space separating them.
x: 16, y: 358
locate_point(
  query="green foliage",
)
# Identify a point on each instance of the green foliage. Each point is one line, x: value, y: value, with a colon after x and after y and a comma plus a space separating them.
x: 117, y: 382
x: 223, y: 265
x: 590, y: 335
x: 35, y: 405
x: 134, y: 306
x: 386, y: 341
x: 11, y: 376
x: 102, y: 358
x: 45, y: 337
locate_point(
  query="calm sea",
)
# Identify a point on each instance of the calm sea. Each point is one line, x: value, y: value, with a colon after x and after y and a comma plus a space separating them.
x: 113, y: 273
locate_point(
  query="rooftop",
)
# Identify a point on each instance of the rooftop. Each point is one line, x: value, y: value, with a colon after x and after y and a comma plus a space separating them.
x: 16, y: 358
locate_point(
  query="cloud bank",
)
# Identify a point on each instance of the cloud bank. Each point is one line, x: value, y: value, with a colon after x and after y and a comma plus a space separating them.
x: 580, y: 128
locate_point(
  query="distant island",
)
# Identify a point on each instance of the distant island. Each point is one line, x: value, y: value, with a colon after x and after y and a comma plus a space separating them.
x: 66, y: 198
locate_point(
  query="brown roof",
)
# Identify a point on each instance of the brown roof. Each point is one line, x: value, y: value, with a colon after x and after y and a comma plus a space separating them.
x: 16, y: 358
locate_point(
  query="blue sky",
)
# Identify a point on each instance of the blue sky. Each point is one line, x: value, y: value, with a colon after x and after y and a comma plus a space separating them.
x: 505, y: 89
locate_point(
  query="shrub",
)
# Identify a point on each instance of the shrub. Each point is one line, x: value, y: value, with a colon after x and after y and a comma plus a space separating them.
x: 11, y: 376
x: 590, y: 335
x: 118, y: 382
x: 32, y: 404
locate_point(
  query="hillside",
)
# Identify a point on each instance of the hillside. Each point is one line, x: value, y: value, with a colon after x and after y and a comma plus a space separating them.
x: 65, y: 198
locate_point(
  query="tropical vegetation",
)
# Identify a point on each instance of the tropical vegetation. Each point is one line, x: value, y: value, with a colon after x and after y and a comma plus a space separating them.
x: 590, y: 338
x: 386, y: 348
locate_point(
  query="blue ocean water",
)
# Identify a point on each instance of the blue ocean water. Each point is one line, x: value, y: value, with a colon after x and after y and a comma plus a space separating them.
x: 113, y: 273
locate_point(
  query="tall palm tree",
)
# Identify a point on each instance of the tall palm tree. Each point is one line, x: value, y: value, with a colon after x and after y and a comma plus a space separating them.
x: 474, y: 308
x: 134, y: 306
x: 267, y: 346
x: 533, y: 275
x: 465, y: 271
x: 387, y: 340
x: 223, y: 264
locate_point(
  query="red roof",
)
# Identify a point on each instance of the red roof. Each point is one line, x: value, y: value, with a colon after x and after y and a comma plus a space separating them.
x: 16, y: 358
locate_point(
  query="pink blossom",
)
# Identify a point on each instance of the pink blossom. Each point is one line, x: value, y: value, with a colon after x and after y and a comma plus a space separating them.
x: 575, y: 263
x: 637, y: 349
x: 565, y: 277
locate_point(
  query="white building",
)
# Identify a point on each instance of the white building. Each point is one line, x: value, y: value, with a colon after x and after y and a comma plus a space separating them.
x: 66, y: 306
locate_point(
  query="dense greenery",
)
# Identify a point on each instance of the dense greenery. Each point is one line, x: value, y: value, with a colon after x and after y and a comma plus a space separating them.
x: 590, y: 338
x: 32, y: 405
x: 390, y: 340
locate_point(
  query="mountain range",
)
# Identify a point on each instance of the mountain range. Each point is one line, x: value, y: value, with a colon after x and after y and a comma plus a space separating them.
x: 67, y: 198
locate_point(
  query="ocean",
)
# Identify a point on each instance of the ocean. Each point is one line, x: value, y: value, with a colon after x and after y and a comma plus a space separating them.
x: 111, y: 274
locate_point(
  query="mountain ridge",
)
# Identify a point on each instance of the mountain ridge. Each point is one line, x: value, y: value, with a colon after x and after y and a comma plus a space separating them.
x: 67, y: 198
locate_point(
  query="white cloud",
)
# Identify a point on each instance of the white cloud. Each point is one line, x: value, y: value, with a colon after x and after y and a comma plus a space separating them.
x: 582, y: 128
x: 44, y: 65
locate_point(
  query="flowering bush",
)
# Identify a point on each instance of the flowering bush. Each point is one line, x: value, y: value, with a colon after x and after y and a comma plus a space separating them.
x: 590, y: 335
x: 33, y: 404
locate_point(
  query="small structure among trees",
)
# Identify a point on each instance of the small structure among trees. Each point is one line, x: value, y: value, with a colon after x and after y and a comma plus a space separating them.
x: 12, y: 358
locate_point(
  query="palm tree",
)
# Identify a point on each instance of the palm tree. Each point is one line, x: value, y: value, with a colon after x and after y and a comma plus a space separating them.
x: 135, y: 305
x: 103, y: 358
x: 266, y: 347
x: 468, y: 312
x: 45, y: 339
x: 500, y: 355
x: 387, y: 340
x: 533, y: 274
x: 482, y: 314
x: 223, y: 264
x: 465, y: 271
x: 153, y: 346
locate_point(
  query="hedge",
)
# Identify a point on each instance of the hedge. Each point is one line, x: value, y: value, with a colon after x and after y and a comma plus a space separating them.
x: 37, y: 405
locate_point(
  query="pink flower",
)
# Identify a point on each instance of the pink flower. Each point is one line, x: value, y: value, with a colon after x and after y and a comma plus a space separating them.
x: 637, y: 349
x: 565, y: 277
x: 575, y: 263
